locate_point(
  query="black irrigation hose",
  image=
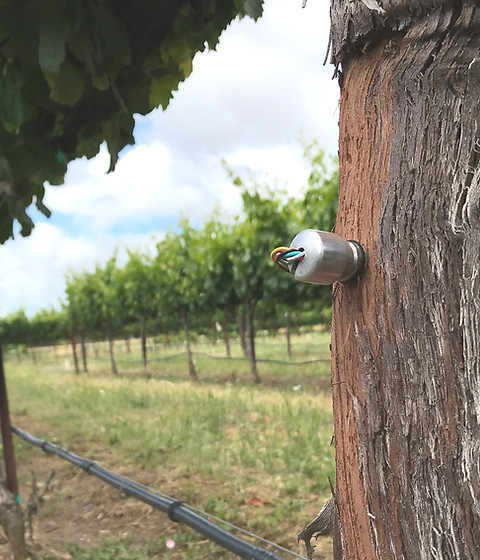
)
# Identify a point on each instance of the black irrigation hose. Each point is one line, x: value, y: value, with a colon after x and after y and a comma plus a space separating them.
x: 175, y: 509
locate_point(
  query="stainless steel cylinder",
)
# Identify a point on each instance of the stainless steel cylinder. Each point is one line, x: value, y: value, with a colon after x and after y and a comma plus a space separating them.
x: 328, y: 258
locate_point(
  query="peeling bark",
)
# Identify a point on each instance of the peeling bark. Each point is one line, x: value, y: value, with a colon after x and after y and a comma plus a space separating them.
x: 406, y: 334
x: 322, y: 525
x: 360, y: 25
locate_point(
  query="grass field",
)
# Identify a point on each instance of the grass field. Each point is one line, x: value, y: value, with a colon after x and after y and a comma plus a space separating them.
x: 258, y: 456
x: 310, y: 361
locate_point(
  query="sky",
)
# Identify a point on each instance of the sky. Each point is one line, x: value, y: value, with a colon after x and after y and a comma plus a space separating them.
x: 252, y: 103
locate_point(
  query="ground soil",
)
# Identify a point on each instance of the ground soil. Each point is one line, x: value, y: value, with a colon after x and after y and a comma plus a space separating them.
x: 80, y: 508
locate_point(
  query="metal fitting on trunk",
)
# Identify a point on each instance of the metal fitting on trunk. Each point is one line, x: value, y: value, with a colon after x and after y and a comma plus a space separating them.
x: 320, y: 257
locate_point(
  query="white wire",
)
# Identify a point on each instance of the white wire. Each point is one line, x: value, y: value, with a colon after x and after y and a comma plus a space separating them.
x: 296, y: 257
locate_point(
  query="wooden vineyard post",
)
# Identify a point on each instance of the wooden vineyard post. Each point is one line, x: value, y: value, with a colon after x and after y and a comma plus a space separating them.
x: 11, y: 515
x: 7, y: 440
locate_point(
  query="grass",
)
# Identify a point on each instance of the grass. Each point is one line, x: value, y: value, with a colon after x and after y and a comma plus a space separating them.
x: 309, y: 360
x: 226, y: 442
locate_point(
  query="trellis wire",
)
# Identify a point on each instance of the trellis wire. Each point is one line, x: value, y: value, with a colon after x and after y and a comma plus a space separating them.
x: 243, y: 359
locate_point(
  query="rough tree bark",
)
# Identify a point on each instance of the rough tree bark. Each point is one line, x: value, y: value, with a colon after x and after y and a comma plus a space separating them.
x: 406, y: 334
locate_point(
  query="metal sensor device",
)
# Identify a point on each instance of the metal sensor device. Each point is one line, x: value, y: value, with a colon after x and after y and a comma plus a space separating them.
x: 326, y: 257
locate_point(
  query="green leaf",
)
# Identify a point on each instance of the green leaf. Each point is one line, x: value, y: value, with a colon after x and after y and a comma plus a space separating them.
x: 101, y: 41
x: 51, y: 49
x: 254, y: 8
x: 26, y: 223
x: 43, y: 209
x: 186, y: 67
x: 5, y: 171
x: 11, y: 105
x: 118, y: 132
x: 66, y: 86
x: 161, y: 91
x: 101, y: 82
x: 55, y: 28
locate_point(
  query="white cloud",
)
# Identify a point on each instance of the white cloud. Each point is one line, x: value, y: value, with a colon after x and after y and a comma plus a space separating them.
x: 35, y: 267
x: 265, y: 85
x: 282, y: 167
x: 149, y: 182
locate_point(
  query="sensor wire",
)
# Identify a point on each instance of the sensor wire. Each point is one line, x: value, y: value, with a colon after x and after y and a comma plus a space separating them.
x: 287, y: 258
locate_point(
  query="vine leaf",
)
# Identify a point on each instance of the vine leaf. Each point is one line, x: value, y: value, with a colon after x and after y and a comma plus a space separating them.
x: 161, y: 91
x: 73, y: 74
x: 254, y: 8
x: 66, y: 86
x: 11, y: 106
x: 51, y: 47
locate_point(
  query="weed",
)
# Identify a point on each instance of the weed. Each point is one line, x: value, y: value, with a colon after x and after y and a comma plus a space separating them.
x: 107, y: 550
x: 215, y: 506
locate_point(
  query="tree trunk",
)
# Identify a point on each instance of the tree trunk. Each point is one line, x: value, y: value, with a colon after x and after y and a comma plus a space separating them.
x: 242, y: 332
x: 191, y: 362
x: 143, y: 339
x: 406, y: 334
x: 113, y: 364
x: 74, y: 350
x: 250, y: 338
x: 226, y: 337
x: 83, y: 347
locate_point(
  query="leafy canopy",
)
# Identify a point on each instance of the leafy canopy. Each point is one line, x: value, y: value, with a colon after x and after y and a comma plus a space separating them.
x: 74, y: 72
